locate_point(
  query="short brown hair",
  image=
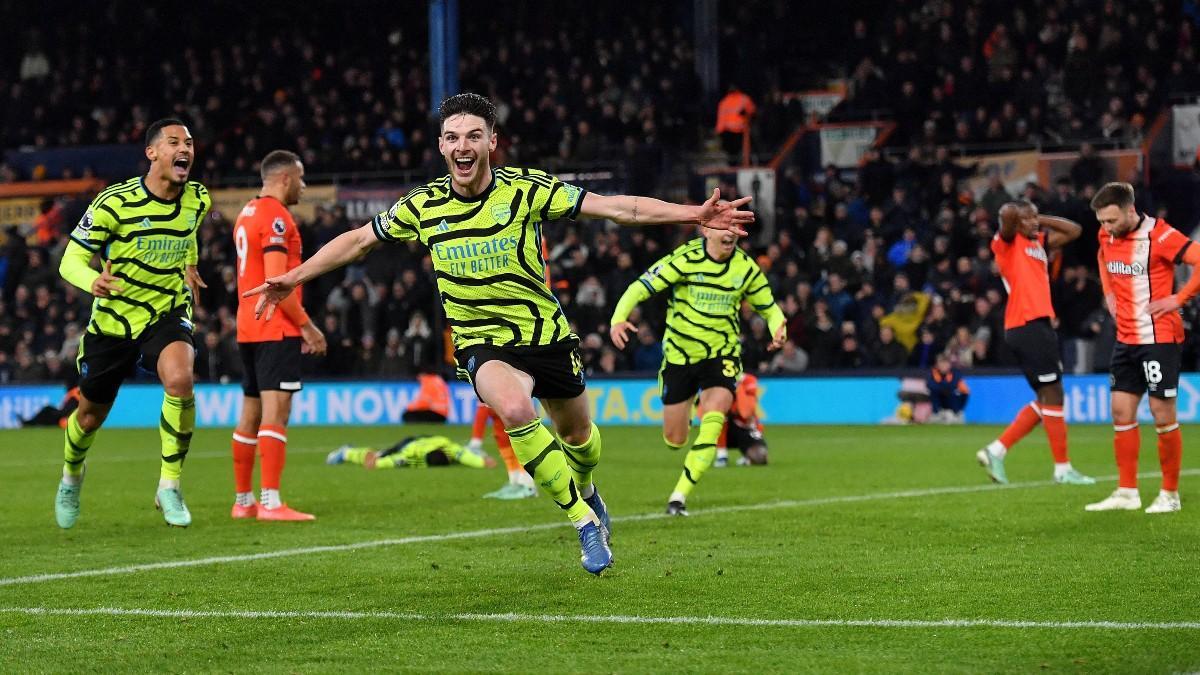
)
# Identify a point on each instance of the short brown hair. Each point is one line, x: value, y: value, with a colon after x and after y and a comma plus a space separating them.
x: 276, y: 160
x: 1113, y: 194
x: 468, y: 104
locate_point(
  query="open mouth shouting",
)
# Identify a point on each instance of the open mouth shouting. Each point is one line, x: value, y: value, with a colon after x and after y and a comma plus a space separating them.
x: 181, y: 167
x: 464, y: 166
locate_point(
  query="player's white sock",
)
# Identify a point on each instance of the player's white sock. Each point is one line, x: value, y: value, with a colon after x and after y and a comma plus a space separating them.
x: 270, y: 499
x: 1128, y: 492
x: 475, y: 444
x: 244, y: 499
x: 723, y: 453
x: 997, y: 449
x: 165, y: 483
x: 71, y: 479
x: 677, y: 497
x: 588, y: 491
x: 520, y: 477
x: 1061, y: 469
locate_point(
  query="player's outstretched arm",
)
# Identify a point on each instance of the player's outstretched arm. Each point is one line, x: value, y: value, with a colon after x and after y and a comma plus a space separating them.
x: 619, y: 325
x: 1060, y: 231
x: 344, y: 248
x: 633, y: 210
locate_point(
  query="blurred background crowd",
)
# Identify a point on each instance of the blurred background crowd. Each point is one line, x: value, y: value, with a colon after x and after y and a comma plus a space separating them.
x: 883, y: 265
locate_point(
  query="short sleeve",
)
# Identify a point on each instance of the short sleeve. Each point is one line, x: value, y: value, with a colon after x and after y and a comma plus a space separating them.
x: 277, y: 234
x: 1170, y: 243
x: 402, y: 222
x: 557, y: 199
x: 661, y: 275
x: 95, y: 227
x: 999, y: 246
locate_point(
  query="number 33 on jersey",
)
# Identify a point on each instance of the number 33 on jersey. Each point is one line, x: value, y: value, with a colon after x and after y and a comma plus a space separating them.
x: 264, y: 227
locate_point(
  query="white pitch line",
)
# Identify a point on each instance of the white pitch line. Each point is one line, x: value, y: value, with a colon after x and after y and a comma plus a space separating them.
x: 605, y: 619
x: 475, y: 534
x: 150, y: 455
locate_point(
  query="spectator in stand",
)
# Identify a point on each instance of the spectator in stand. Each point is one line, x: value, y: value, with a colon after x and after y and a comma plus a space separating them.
x: 790, y: 359
x: 734, y: 112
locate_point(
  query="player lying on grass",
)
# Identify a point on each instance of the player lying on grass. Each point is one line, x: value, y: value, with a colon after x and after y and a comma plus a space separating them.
x: 1022, y: 246
x: 743, y: 430
x: 708, y: 278
x: 143, y: 230
x: 482, y: 227
x: 415, y: 451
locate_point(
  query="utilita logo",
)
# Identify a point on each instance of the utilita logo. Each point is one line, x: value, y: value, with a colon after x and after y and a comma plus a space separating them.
x: 1134, y: 270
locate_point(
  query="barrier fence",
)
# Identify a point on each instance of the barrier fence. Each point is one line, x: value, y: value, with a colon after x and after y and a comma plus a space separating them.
x: 816, y: 400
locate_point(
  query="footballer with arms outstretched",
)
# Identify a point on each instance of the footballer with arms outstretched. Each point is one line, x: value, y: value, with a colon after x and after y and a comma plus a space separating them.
x: 482, y: 227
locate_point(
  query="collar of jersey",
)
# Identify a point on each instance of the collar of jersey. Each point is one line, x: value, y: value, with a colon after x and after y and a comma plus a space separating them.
x: 477, y: 198
x: 155, y: 197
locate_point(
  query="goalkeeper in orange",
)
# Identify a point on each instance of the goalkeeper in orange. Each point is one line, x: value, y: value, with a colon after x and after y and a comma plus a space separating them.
x: 743, y: 430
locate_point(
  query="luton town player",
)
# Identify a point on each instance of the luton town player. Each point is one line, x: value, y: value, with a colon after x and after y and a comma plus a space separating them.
x: 267, y: 245
x: 1022, y: 245
x: 482, y: 226
x: 144, y: 232
x: 1138, y: 255
x: 708, y: 278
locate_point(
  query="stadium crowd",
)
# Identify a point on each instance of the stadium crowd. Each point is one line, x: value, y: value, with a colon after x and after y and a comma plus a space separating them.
x: 884, y: 267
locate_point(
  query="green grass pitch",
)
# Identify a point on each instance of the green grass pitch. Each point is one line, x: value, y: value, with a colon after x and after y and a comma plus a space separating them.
x: 857, y: 550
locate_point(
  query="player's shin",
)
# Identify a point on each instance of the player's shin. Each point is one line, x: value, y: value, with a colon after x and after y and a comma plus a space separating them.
x: 582, y: 460
x: 272, y: 446
x: 1027, y: 418
x: 1126, y: 445
x: 75, y: 450
x: 1055, y: 422
x: 175, y: 427
x: 700, y: 456
x: 539, y: 452
x: 244, y: 448
x: 1170, y: 455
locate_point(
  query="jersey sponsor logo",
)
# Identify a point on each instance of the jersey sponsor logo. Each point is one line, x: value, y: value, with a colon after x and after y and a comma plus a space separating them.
x: 1036, y: 252
x: 476, y: 256
x: 501, y: 212
x: 278, y: 226
x: 1136, y: 269
x: 168, y: 250
x: 712, y: 300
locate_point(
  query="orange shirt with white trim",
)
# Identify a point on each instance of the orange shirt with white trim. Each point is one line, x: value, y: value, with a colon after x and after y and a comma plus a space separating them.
x: 264, y: 228
x: 1140, y: 268
x: 1023, y: 268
